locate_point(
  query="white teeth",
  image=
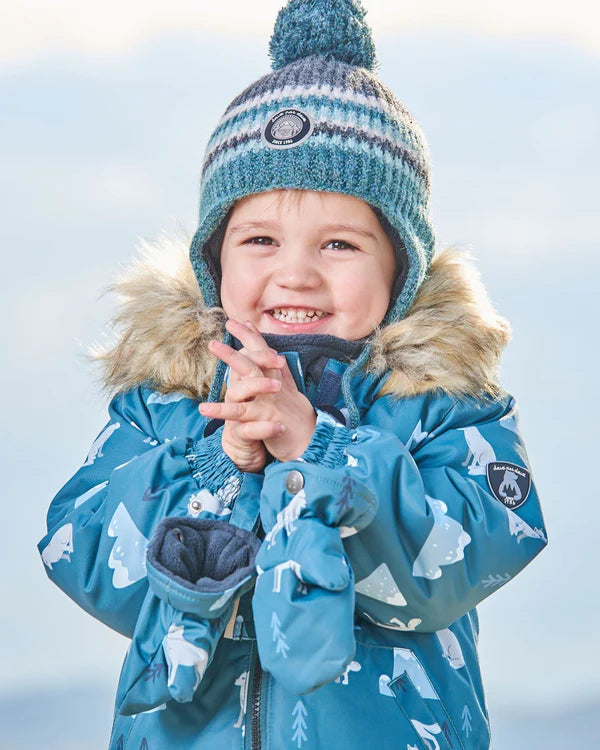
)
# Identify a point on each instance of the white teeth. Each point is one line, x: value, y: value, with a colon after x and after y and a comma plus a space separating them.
x: 297, y: 316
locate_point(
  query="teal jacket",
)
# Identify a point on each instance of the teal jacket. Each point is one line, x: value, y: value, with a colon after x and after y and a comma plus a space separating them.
x: 325, y: 602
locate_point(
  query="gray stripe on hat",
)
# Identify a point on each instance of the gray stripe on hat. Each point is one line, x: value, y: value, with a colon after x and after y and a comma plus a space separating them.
x: 400, y: 151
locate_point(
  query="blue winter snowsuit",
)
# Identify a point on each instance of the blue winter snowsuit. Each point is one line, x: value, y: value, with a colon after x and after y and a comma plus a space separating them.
x: 407, y: 520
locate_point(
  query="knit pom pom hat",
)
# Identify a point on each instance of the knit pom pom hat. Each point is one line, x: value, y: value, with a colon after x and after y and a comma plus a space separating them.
x: 320, y: 120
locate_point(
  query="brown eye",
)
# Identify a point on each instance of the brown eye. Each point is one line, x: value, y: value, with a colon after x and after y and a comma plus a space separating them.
x: 342, y: 245
x: 259, y: 241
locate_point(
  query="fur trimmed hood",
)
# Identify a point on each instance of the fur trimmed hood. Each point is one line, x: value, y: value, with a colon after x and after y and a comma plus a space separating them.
x: 450, y: 340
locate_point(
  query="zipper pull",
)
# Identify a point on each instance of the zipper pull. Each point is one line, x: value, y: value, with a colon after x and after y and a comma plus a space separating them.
x: 237, y: 628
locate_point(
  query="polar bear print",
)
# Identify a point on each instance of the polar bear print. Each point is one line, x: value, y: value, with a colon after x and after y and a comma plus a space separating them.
x: 60, y: 546
x: 417, y: 436
x: 242, y: 683
x: 96, y: 449
x: 479, y: 450
x: 182, y: 653
x: 426, y: 732
x: 451, y: 649
x: 354, y: 666
x: 278, y: 570
x: 286, y: 517
x: 394, y: 623
x: 164, y: 398
x: 510, y: 420
x: 206, y: 501
x: 521, y: 529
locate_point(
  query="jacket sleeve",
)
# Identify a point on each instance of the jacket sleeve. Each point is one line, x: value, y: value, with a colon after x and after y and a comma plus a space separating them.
x: 196, y: 568
x: 135, y: 474
x: 458, y: 515
x: 305, y: 578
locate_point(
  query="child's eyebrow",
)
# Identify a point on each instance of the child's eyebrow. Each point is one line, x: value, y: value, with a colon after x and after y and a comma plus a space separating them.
x: 272, y: 225
x: 348, y: 228
x: 249, y: 225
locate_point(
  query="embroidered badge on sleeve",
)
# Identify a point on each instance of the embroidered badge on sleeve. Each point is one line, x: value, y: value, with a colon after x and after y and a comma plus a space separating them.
x: 508, y: 482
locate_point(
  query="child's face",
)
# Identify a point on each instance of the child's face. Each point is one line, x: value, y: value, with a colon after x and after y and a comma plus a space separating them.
x: 306, y: 262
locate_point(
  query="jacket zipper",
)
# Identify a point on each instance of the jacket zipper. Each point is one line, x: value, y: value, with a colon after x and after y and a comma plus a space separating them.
x: 255, y: 718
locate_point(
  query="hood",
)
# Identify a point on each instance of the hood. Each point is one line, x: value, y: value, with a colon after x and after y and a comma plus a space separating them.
x: 450, y: 340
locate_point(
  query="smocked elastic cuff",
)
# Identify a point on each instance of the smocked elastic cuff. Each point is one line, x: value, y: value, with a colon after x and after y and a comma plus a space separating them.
x: 211, y: 466
x: 328, y: 444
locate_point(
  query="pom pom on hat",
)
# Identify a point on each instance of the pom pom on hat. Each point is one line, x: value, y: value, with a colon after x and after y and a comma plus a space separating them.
x: 334, y: 29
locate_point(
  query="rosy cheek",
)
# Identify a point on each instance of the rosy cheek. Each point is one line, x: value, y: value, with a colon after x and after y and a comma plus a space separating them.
x: 228, y: 299
x: 240, y: 292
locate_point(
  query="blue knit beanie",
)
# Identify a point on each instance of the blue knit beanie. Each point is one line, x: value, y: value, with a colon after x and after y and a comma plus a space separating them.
x: 320, y: 121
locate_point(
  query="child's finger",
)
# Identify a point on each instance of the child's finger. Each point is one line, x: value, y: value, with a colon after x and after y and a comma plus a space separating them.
x: 238, y: 362
x: 237, y: 411
x: 258, y: 430
x: 287, y: 377
x: 254, y: 344
x: 266, y: 359
x: 247, y: 333
x: 250, y: 387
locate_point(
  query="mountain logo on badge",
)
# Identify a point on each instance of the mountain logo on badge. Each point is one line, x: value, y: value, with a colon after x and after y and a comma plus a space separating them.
x: 508, y: 482
x: 287, y: 128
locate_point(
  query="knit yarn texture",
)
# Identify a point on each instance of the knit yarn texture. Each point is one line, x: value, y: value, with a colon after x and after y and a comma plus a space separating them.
x: 321, y: 120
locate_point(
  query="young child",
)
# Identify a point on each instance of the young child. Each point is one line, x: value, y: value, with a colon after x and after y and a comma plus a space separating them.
x: 296, y: 506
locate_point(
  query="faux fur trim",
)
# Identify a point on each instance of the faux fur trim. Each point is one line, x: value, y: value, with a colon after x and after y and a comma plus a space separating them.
x: 162, y: 328
x: 451, y: 339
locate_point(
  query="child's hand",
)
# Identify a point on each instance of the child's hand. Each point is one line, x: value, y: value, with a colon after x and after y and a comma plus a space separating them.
x: 243, y: 441
x: 283, y: 418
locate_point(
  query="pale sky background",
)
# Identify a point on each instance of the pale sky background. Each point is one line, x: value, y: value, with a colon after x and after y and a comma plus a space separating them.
x: 31, y: 28
x: 106, y: 110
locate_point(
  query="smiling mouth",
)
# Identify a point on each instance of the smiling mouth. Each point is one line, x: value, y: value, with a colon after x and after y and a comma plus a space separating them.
x: 294, y: 315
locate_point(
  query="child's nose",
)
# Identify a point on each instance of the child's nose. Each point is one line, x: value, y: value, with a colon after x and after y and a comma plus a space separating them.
x: 296, y: 270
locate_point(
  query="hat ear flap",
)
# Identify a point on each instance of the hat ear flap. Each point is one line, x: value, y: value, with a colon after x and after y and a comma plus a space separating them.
x: 212, y: 252
x: 401, y: 256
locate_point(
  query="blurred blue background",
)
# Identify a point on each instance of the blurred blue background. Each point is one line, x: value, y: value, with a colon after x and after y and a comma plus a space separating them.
x: 106, y: 113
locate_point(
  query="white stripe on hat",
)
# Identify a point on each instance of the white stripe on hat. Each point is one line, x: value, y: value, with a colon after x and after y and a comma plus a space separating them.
x: 321, y: 90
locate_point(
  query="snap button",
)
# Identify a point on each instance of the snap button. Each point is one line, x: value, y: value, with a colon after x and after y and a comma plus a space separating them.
x: 195, y: 505
x: 178, y: 534
x: 294, y: 481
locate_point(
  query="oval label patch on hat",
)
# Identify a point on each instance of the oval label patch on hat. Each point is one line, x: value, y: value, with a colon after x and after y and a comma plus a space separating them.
x: 288, y: 128
x: 508, y: 482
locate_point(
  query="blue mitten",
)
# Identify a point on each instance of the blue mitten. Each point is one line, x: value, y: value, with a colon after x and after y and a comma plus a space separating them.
x: 196, y: 569
x: 303, y: 603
